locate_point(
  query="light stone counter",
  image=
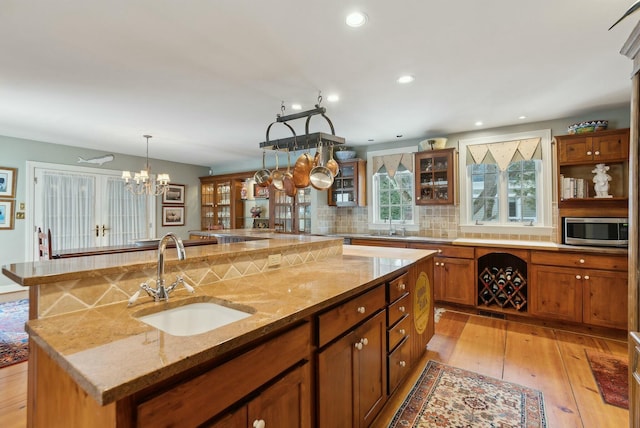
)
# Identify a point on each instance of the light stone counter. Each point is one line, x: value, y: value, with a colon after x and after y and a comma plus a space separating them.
x: 112, y: 355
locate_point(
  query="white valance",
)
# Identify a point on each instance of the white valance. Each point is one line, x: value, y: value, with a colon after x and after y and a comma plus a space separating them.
x: 392, y: 162
x: 503, y: 153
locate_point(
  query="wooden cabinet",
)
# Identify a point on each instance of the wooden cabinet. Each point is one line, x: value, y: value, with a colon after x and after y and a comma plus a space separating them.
x: 435, y: 177
x: 399, y: 321
x: 290, y: 214
x: 579, y: 288
x: 378, y: 242
x: 454, y: 273
x: 222, y: 201
x: 349, y: 186
x: 577, y: 156
x: 352, y: 367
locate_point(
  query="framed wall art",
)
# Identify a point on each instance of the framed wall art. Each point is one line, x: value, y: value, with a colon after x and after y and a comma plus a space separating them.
x: 6, y: 215
x: 174, y: 194
x: 260, y: 192
x: 172, y: 216
x: 8, y: 178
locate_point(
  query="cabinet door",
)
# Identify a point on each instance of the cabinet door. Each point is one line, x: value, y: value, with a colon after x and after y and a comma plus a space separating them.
x: 233, y: 419
x: 605, y: 298
x: 575, y: 150
x: 434, y: 177
x: 370, y: 362
x: 286, y: 403
x: 613, y: 147
x: 455, y: 280
x: 555, y: 293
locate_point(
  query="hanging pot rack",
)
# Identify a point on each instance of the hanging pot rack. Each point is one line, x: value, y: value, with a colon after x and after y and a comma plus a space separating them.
x: 306, y: 141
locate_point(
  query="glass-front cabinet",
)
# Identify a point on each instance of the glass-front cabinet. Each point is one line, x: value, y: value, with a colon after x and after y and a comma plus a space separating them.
x: 348, y: 189
x: 435, y: 177
x: 291, y: 214
x: 221, y: 201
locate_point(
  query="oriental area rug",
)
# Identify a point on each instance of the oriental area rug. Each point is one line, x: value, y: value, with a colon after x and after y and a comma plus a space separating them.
x: 14, y: 341
x: 610, y: 373
x: 446, y: 396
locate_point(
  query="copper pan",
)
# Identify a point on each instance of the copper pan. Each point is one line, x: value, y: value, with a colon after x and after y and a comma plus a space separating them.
x: 287, y: 179
x: 301, y: 170
x: 332, y: 164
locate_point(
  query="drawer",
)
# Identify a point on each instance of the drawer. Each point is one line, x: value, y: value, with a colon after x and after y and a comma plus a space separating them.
x: 398, y: 287
x: 336, y: 321
x: 398, y: 309
x: 447, y: 250
x: 399, y: 364
x: 581, y: 260
x: 398, y: 331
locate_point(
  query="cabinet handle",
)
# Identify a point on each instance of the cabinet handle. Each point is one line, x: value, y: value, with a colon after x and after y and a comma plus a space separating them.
x: 589, y: 153
x: 581, y: 261
x: 578, y: 277
x: 361, y: 309
x: 402, y: 331
x: 358, y: 346
x: 439, y: 251
x: 597, y: 153
x: 364, y: 341
x: 402, y: 363
x: 402, y: 286
x: 437, y: 263
x: 402, y: 309
x: 441, y: 264
x: 586, y: 277
x: 259, y: 423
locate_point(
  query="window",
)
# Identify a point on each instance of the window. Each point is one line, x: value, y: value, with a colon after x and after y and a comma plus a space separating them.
x: 392, y: 190
x: 506, y: 183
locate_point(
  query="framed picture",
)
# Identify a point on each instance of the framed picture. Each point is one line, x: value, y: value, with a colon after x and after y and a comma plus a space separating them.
x: 172, y: 216
x: 6, y: 215
x: 8, y: 182
x: 260, y: 192
x: 174, y: 194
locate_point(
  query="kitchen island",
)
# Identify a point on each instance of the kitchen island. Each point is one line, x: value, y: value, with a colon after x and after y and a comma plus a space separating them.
x: 111, y: 369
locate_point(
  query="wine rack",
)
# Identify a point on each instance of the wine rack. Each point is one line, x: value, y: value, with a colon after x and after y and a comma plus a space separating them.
x: 504, y: 287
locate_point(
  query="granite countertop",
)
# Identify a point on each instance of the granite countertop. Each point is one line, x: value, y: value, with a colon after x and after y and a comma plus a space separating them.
x: 111, y: 354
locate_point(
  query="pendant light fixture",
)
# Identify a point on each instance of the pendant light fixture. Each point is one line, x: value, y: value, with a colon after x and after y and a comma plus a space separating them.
x: 141, y: 182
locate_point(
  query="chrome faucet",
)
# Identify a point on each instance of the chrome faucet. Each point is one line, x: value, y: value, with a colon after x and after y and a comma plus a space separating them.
x: 161, y: 292
x: 392, y: 230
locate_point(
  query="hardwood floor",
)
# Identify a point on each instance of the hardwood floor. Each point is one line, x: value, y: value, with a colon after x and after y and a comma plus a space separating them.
x: 553, y: 361
x: 550, y: 360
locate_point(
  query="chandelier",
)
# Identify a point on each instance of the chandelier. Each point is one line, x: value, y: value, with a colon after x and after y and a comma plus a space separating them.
x: 141, y: 182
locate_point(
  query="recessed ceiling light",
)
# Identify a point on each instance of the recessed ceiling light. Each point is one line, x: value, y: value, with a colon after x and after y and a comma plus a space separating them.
x: 296, y: 107
x: 407, y: 78
x: 399, y: 135
x: 370, y: 140
x: 356, y: 19
x: 479, y: 123
x: 333, y: 98
x: 522, y: 117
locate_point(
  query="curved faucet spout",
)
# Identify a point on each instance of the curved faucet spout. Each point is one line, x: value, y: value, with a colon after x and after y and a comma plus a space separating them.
x: 161, y: 249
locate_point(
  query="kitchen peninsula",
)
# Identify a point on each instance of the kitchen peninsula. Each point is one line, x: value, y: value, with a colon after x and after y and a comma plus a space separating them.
x: 316, y: 309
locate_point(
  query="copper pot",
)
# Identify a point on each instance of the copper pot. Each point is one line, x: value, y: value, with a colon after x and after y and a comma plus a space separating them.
x: 320, y: 176
x: 301, y: 170
x: 332, y: 164
x: 287, y: 179
x: 277, y: 176
x: 263, y: 176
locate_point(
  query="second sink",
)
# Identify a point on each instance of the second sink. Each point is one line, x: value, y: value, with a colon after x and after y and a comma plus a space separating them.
x: 194, y: 318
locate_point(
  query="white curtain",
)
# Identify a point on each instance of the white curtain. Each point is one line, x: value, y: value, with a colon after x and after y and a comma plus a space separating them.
x: 126, y: 214
x: 68, y: 208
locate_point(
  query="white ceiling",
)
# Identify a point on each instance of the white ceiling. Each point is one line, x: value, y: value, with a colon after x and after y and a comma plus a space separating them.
x: 206, y: 77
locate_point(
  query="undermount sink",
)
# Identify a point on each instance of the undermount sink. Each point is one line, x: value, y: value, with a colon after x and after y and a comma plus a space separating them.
x: 193, y: 318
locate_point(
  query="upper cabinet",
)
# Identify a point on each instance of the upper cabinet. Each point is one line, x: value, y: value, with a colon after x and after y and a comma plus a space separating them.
x: 290, y: 214
x: 221, y: 201
x: 578, y: 156
x: 435, y: 172
x: 348, y: 189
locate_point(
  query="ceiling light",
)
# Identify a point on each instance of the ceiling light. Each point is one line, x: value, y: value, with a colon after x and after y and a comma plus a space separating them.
x: 141, y: 183
x: 356, y: 19
x: 479, y: 123
x: 296, y: 107
x: 406, y: 79
x: 333, y: 98
x: 522, y: 117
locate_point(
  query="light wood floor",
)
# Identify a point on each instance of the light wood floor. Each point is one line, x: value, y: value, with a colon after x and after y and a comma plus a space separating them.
x: 549, y: 360
x: 552, y: 361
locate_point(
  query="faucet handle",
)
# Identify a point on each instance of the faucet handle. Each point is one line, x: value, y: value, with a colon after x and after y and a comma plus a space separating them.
x: 189, y: 288
x: 133, y: 298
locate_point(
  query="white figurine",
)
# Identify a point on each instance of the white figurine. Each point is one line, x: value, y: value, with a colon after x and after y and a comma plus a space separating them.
x: 601, y: 180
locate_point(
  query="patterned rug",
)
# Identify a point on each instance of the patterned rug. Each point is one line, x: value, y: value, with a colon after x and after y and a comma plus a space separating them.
x: 610, y: 373
x: 446, y: 396
x: 14, y: 341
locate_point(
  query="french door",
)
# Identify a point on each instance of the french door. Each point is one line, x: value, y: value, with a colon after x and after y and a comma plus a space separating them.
x: 88, y: 207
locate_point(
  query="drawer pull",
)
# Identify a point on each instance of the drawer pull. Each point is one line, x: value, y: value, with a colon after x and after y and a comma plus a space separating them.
x: 402, y: 363
x: 597, y: 153
x: 437, y: 263
x: 358, y: 346
x: 259, y: 423
x: 589, y: 153
x: 402, y: 331
x: 361, y: 309
x: 439, y: 251
x: 402, y: 309
x: 581, y: 261
x: 586, y: 277
x: 364, y: 341
x: 402, y: 286
x: 578, y: 277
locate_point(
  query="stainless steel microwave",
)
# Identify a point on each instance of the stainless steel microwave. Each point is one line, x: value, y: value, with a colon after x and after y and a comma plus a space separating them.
x: 596, y: 231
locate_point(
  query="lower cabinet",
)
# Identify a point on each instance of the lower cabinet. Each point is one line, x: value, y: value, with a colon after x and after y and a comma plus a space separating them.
x: 283, y: 404
x: 352, y: 374
x: 592, y: 291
